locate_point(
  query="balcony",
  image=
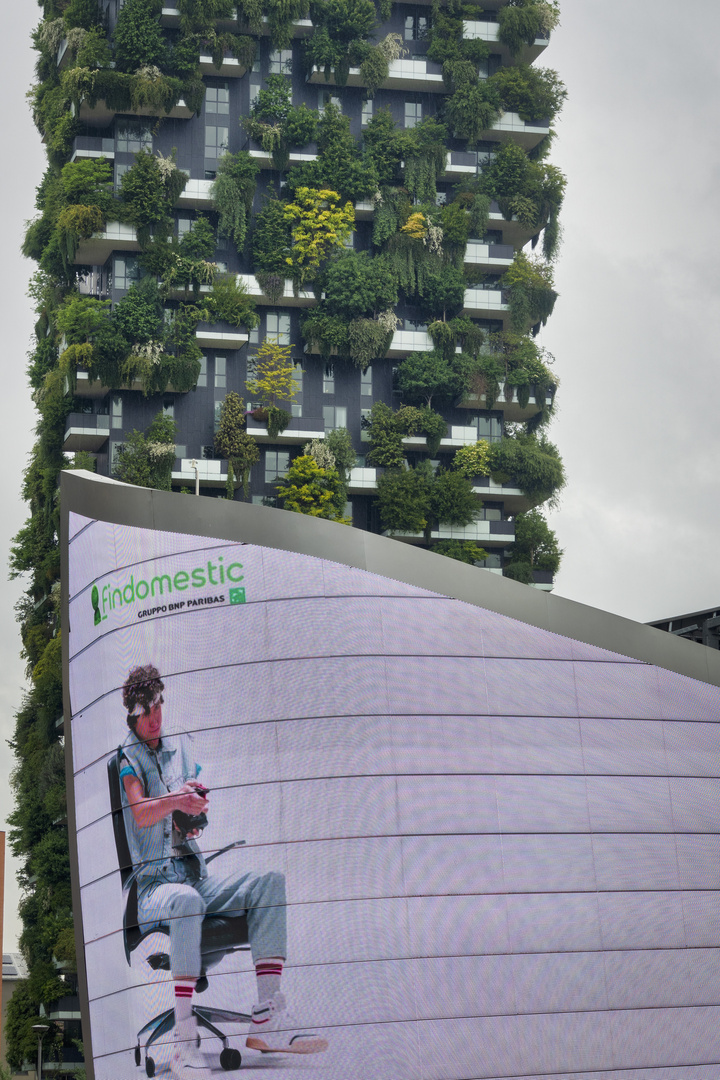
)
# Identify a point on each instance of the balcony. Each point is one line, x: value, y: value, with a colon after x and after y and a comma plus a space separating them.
x: 86, y: 431
x: 300, y: 430
x: 365, y: 210
x: 507, y: 402
x: 196, y: 195
x: 301, y: 27
x: 511, y: 128
x: 543, y: 580
x: 413, y: 73
x: 474, y: 30
x: 485, y: 533
x: 296, y: 157
x: 65, y: 1008
x: 405, y: 342
x: 493, y: 256
x: 90, y: 146
x: 231, y: 68
x: 102, y: 115
x: 363, y: 480
x: 304, y: 298
x: 220, y: 336
x: 116, y: 236
x: 170, y: 16
x: 510, y: 495
x: 486, y: 303
x: 212, y: 473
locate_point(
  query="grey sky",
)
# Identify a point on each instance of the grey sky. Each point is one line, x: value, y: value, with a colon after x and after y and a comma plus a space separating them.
x: 634, y: 333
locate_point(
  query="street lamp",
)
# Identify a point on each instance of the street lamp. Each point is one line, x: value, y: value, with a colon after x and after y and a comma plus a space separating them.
x: 40, y: 1030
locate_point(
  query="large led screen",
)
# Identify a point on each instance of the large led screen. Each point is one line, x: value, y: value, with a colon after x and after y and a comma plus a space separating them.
x: 476, y: 849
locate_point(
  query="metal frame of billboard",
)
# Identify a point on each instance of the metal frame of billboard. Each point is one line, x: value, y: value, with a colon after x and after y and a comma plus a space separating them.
x: 107, y: 500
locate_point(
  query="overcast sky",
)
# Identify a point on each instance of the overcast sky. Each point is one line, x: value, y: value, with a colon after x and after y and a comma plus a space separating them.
x: 635, y: 331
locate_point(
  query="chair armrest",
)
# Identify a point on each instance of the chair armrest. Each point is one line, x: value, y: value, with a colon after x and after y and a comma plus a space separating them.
x: 228, y: 847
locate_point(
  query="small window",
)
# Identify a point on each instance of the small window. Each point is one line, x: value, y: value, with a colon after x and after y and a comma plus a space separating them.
x: 254, y: 336
x: 367, y: 112
x: 116, y: 413
x: 217, y: 98
x: 120, y: 169
x: 296, y: 403
x: 277, y: 463
x: 366, y: 382
x: 216, y: 141
x: 277, y: 327
x: 413, y: 113
x: 329, y: 379
x: 220, y: 372
x: 217, y: 415
x: 125, y: 271
x: 202, y: 377
x: 132, y: 136
x: 334, y: 416
x: 416, y: 27
x: 327, y: 98
x: 364, y: 431
x: 184, y: 225
x: 281, y: 62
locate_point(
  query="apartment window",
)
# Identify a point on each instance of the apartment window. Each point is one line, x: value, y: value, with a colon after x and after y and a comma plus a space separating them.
x: 329, y: 379
x: 132, y: 136
x: 217, y: 414
x: 329, y: 99
x: 184, y: 225
x: 366, y: 382
x: 216, y: 141
x: 281, y: 62
x: 220, y: 372
x: 360, y: 461
x: 367, y: 112
x: 254, y: 336
x: 116, y: 413
x: 277, y: 327
x: 125, y: 271
x: 334, y: 416
x: 413, y: 113
x: 490, y: 428
x: 169, y: 409
x: 364, y: 431
x: 202, y: 377
x: 277, y: 463
x: 120, y: 169
x: 217, y: 98
x: 349, y: 242
x: 416, y: 27
x: 296, y: 404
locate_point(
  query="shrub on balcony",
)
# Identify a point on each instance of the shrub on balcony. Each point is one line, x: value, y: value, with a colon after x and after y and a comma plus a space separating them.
x: 200, y: 16
x: 422, y: 377
x: 530, y: 461
x: 425, y: 152
x: 383, y: 147
x: 138, y: 36
x: 532, y: 297
x: 76, y: 223
x: 230, y: 302
x: 356, y: 285
x: 340, y: 164
x: 149, y: 191
x: 281, y: 15
x: 472, y: 461
x: 418, y: 500
x: 271, y: 381
x: 536, y: 548
x: 146, y: 458
x: 233, y: 443
x: 341, y: 28
x: 473, y: 105
x: 532, y: 191
x: 466, y: 551
x: 447, y: 42
x: 139, y: 314
x: 271, y: 245
x: 275, y: 124
x: 307, y: 488
x: 232, y: 193
x: 521, y: 21
x: 319, y: 226
x: 533, y: 93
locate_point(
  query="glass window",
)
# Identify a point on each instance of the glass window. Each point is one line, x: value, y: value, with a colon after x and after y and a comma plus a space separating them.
x: 184, y: 225
x: 120, y: 169
x: 490, y: 428
x: 364, y: 433
x: 367, y: 112
x: 334, y: 416
x: 125, y: 271
x: 169, y: 409
x: 220, y: 372
x: 202, y: 377
x: 329, y: 379
x: 366, y: 382
x: 416, y: 27
x: 217, y: 98
x: 413, y: 113
x: 277, y: 327
x: 132, y: 136
x: 216, y: 141
x: 281, y: 62
x: 327, y: 98
x: 277, y: 463
x: 217, y: 415
x: 254, y: 336
x: 116, y: 413
x: 296, y: 403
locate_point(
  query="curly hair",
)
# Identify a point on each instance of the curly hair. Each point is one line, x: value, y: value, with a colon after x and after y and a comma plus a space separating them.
x: 141, y: 690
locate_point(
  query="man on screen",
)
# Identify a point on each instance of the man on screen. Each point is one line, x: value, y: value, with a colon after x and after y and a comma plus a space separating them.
x: 160, y: 779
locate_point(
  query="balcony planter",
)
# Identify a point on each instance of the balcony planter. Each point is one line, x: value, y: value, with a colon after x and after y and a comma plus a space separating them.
x: 276, y: 419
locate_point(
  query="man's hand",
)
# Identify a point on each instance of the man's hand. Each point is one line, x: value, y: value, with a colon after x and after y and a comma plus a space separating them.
x: 189, y: 800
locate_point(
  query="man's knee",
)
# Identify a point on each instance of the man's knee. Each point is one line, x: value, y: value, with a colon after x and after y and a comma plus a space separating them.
x: 187, y: 903
x: 273, y: 883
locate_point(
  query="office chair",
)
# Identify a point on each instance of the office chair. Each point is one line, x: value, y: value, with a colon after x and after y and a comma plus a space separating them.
x: 221, y: 934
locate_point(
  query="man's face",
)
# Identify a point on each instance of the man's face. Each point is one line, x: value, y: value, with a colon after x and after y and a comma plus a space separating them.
x: 148, y: 726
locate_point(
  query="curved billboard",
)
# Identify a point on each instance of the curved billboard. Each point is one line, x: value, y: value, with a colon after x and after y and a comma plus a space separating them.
x: 335, y: 825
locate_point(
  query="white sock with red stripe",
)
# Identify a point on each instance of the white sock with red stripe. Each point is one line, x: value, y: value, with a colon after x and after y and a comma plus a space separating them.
x: 184, y: 990
x: 268, y: 972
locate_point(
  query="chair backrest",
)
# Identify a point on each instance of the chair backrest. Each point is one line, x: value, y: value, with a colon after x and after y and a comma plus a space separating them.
x: 132, y: 935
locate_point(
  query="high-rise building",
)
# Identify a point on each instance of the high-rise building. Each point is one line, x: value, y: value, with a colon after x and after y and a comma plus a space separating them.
x: 416, y: 291
x: 336, y: 201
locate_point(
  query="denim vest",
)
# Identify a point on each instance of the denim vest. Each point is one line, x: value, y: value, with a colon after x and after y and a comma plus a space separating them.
x: 161, y: 770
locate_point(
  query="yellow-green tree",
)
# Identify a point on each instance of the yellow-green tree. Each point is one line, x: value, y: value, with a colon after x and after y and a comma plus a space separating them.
x: 319, y: 224
x: 271, y: 381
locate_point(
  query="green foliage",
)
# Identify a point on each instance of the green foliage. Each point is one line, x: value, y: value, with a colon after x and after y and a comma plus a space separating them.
x: 521, y: 21
x: 271, y: 240
x: 425, y: 152
x: 199, y: 242
x: 139, y: 314
x: 416, y: 500
x: 270, y: 373
x: 307, y: 488
x: 146, y: 459
x: 340, y: 165
x: 472, y: 461
x: 534, y: 93
x: 474, y: 105
x: 232, y: 193
x: 338, y: 442
x: 138, y: 36
x: 281, y: 15
x: 150, y: 189
x: 442, y: 291
x: 532, y: 297
x: 231, y: 303
x: 81, y: 13
x: 88, y: 181
x: 386, y: 448
x: 466, y: 551
x: 532, y: 462
x: 536, y: 544
x: 447, y: 42
x: 233, y: 442
x: 530, y: 190
x: 318, y: 226
x: 383, y: 145
x: 427, y: 375
x: 275, y: 124
x: 356, y: 285
x: 340, y: 27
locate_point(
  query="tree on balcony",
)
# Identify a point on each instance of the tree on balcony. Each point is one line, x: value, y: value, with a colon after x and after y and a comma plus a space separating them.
x: 536, y: 548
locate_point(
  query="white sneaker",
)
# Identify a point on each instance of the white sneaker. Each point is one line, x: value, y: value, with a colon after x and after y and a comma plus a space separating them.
x: 187, y: 1063
x: 273, y: 1031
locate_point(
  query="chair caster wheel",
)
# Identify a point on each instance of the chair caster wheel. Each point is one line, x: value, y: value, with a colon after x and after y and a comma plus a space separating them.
x: 230, y: 1059
x: 137, y: 1055
x: 150, y: 1066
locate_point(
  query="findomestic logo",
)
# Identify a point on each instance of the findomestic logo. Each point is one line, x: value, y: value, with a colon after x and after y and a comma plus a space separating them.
x: 162, y: 586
